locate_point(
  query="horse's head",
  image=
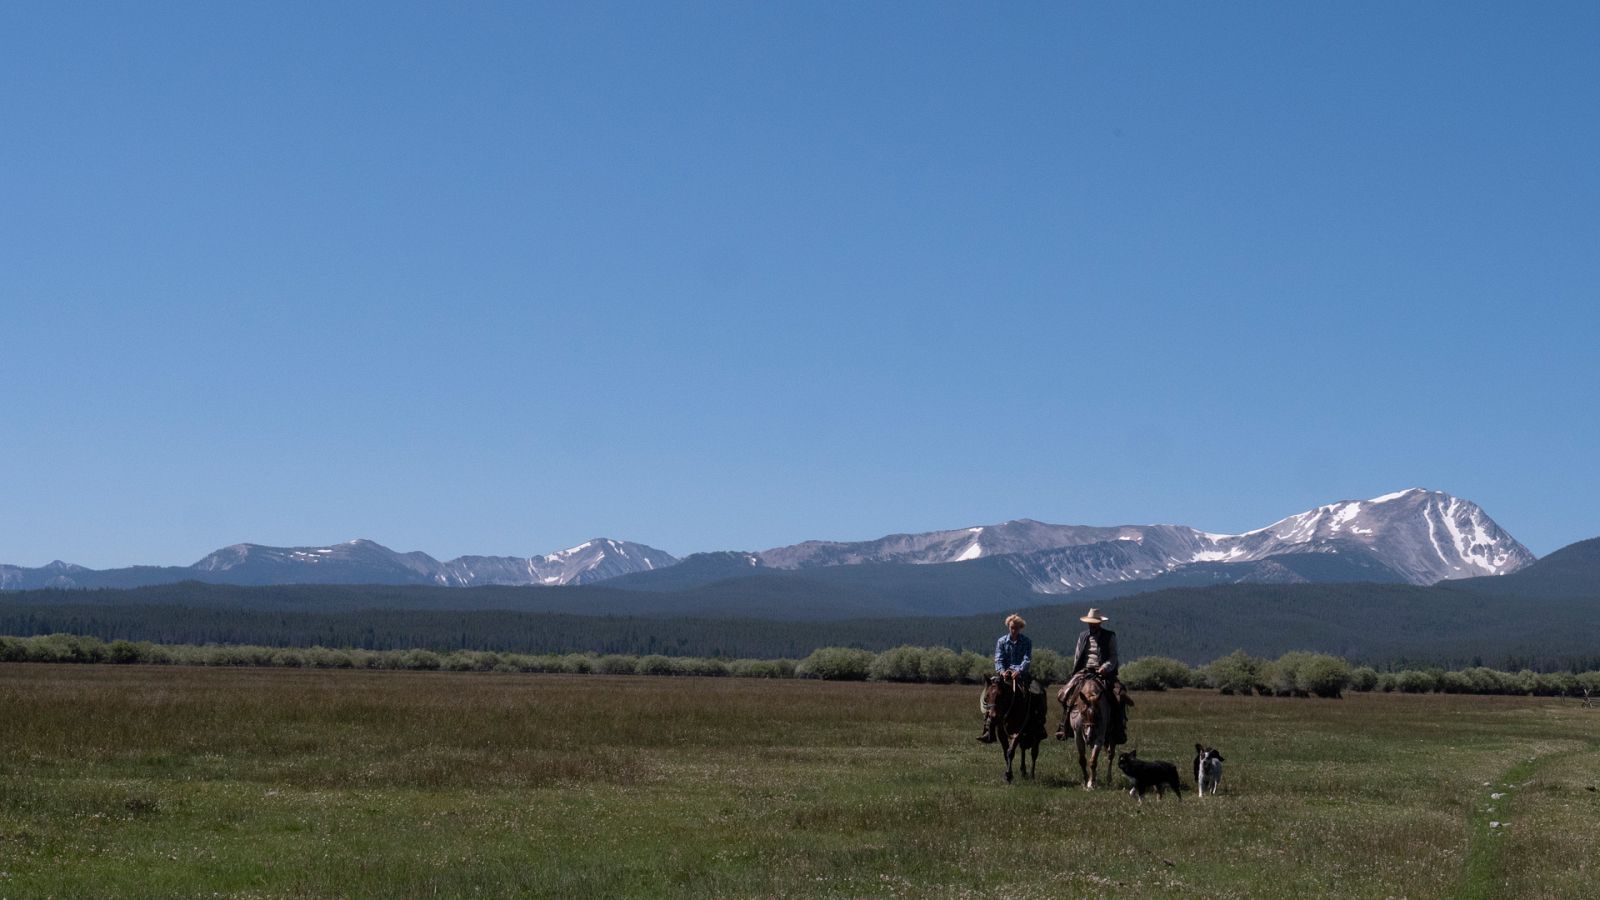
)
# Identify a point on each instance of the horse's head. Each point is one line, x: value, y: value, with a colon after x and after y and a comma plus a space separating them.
x: 991, y: 691
x: 1091, y: 691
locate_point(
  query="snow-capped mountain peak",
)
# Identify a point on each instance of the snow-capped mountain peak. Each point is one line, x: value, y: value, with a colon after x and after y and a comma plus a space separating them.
x: 1424, y: 535
x: 1415, y: 535
x: 366, y: 561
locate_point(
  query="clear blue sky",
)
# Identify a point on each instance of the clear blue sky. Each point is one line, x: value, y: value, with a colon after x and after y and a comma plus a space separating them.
x: 498, y: 278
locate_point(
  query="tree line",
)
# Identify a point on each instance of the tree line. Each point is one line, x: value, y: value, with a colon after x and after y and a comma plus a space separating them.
x: 1428, y: 627
x: 1294, y: 674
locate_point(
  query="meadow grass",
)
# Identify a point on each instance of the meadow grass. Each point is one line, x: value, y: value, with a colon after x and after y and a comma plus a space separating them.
x: 130, y: 781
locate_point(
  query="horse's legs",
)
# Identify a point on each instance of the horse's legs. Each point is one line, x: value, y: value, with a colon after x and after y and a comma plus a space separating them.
x: 1009, y: 748
x: 1111, y: 758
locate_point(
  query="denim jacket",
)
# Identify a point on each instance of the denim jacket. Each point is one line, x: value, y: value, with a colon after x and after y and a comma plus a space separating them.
x: 1010, y: 654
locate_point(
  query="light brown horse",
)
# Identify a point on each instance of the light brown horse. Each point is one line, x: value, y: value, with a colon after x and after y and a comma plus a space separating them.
x: 1087, y: 710
x: 1018, y: 722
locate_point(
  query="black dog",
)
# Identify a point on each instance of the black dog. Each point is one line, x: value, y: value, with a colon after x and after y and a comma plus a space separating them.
x: 1145, y: 775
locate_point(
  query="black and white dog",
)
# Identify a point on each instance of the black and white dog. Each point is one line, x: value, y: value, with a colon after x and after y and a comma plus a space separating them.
x: 1146, y: 775
x: 1207, y: 769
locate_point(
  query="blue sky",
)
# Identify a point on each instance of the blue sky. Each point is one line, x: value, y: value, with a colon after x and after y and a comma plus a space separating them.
x: 498, y: 278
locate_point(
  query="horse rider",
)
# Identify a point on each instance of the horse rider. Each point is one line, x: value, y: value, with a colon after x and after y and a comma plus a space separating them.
x: 1013, y: 661
x: 1096, y: 656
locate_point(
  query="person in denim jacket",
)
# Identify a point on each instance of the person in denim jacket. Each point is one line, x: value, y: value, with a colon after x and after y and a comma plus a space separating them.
x: 1013, y: 659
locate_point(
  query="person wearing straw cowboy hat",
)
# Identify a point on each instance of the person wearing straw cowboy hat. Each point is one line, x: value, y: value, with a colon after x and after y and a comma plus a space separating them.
x: 1096, y: 656
x: 1097, y: 647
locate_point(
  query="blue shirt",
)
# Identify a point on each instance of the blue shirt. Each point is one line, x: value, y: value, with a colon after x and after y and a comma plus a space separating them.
x: 1009, y: 654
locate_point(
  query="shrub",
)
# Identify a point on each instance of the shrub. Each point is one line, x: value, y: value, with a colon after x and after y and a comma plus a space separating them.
x: 1155, y: 673
x: 1455, y: 683
x: 656, y: 664
x: 470, y: 661
x: 900, y: 664
x: 178, y: 655
x: 159, y: 654
x: 1322, y: 675
x: 941, y: 665
x: 975, y: 667
x: 13, y: 650
x: 326, y: 658
x: 702, y: 666
x: 577, y: 664
x: 1363, y: 679
x: 759, y: 668
x: 288, y: 658
x: 420, y: 659
x: 1278, y: 676
x: 616, y: 664
x: 1236, y: 673
x: 1047, y: 666
x: 547, y: 663
x: 391, y: 659
x: 1524, y: 682
x: 1551, y: 684
x: 1589, y: 681
x: 64, y: 648
x: 1388, y: 682
x: 234, y: 655
x: 123, y: 652
x: 1413, y: 682
x: 836, y: 664
x: 1484, y: 681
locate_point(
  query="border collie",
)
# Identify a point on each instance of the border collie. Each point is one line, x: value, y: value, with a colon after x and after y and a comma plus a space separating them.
x: 1207, y: 769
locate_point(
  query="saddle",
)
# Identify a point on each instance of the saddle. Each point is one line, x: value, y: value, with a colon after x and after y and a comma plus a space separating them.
x: 1120, y: 703
x: 1038, y: 705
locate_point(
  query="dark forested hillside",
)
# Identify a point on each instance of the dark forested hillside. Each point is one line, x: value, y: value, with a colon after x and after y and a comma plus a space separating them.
x: 1368, y: 623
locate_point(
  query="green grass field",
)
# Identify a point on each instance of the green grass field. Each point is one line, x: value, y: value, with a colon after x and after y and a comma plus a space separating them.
x: 135, y: 781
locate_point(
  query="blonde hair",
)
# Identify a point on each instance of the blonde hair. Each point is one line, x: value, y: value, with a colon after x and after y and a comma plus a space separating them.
x: 1017, y: 619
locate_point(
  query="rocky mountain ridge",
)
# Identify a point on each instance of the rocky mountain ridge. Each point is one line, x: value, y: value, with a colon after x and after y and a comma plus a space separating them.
x: 359, y: 562
x: 1415, y: 536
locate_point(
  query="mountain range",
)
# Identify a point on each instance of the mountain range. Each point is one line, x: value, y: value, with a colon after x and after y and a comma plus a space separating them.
x: 357, y: 562
x: 1415, y: 537
x: 1543, y: 616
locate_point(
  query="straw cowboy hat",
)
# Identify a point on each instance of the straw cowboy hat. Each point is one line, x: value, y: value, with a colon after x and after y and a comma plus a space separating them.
x: 1094, y: 617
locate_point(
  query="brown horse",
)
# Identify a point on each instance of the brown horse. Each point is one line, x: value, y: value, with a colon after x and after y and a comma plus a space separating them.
x: 1087, y: 712
x: 1018, y: 722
